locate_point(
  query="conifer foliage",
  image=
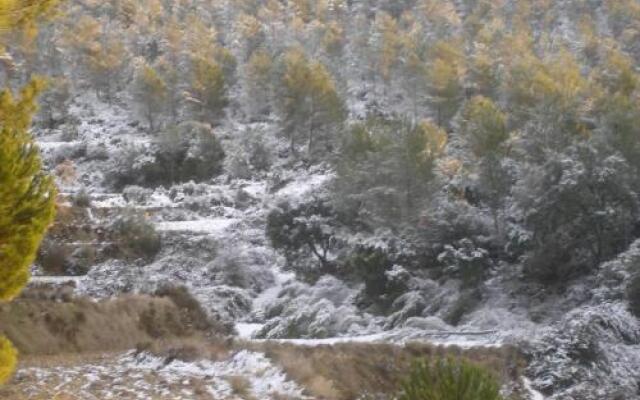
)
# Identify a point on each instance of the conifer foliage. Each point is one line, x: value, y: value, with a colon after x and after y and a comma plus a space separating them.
x: 27, y: 195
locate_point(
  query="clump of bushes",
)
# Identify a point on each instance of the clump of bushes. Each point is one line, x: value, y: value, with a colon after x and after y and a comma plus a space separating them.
x: 189, y: 151
x: 375, y: 268
x: 449, y: 379
x: 135, y: 237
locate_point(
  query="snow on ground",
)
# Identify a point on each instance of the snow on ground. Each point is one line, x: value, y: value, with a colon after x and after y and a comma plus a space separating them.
x: 534, y: 394
x: 460, y: 339
x: 58, y: 280
x: 211, y: 226
x: 247, y: 329
x: 144, y: 376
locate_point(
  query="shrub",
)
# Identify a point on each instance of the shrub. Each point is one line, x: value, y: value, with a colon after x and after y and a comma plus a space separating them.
x: 449, y: 379
x: 136, y: 238
x: 53, y: 257
x: 633, y: 295
x: 466, y: 302
x: 189, y: 151
x: 467, y: 261
x: 302, y: 233
x: 82, y: 199
x: 373, y: 267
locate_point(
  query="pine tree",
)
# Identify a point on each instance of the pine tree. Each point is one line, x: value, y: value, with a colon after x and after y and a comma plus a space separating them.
x: 386, y: 169
x: 151, y: 93
x: 105, y: 63
x: 27, y: 195
x: 258, y: 83
x: 310, y: 104
x: 208, y: 92
x: 485, y: 129
x: 251, y: 32
x: 444, y: 79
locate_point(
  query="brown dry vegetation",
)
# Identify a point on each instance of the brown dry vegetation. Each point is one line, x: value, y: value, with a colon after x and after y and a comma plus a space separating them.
x: 374, y: 371
x: 77, y: 331
x: 44, y: 327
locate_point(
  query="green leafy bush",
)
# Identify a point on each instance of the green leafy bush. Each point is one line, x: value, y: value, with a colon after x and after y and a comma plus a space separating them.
x: 448, y: 379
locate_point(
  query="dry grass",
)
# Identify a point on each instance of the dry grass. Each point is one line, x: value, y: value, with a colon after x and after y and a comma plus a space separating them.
x: 241, y: 387
x: 358, y: 370
x: 41, y: 327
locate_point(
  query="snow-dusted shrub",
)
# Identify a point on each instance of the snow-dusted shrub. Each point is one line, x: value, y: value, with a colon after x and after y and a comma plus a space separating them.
x: 136, y: 194
x: 590, y: 354
x: 82, y: 199
x: 323, y: 310
x: 69, y: 151
x: 453, y: 220
x: 580, y: 207
x: 383, y: 281
x: 260, y: 153
x: 466, y: 302
x: 633, y: 295
x: 237, y: 165
x: 135, y: 237
x: 251, y: 154
x: 190, y: 151
x: 466, y: 261
x: 303, y: 233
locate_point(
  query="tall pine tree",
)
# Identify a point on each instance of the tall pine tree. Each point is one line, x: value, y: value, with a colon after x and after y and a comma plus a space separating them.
x: 27, y: 195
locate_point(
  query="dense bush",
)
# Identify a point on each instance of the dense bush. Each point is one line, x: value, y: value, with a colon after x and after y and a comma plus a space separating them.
x: 448, y: 379
x: 304, y: 232
x: 135, y: 237
x: 190, y: 151
x: 375, y: 268
x: 465, y: 260
x: 53, y: 257
x: 580, y: 209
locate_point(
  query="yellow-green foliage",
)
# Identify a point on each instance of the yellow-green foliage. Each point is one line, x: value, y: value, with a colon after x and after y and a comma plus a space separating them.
x: 310, y: 102
x: 27, y: 196
x: 208, y: 89
x: 485, y: 125
x: 23, y: 14
x: 8, y: 359
x: 151, y: 90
